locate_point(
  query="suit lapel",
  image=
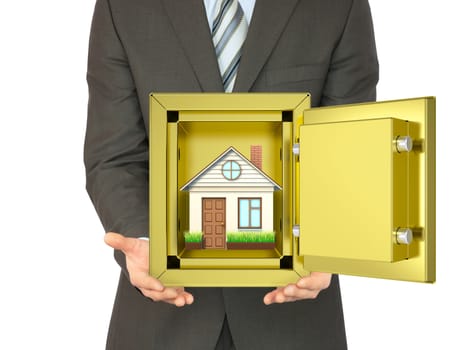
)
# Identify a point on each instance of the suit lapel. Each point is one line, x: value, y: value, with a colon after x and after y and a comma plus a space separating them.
x: 190, y: 24
x: 267, y: 24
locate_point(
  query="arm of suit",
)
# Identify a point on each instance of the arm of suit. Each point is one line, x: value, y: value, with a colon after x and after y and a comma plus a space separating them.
x: 354, y: 69
x: 116, y: 157
x: 116, y: 144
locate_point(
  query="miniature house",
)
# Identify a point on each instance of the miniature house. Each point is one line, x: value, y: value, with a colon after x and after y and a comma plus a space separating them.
x: 232, y: 194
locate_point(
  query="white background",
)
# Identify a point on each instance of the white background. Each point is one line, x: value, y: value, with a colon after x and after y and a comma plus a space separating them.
x: 58, y: 280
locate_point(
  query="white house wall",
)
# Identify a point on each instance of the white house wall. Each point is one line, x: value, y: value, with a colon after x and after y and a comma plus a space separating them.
x: 196, y: 196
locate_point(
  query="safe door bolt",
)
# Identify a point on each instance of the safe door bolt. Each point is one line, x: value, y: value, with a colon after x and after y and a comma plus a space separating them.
x: 403, y: 144
x: 296, y: 149
x: 403, y: 236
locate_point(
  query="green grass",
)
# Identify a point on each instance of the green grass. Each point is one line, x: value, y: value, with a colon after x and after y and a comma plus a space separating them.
x: 251, y: 237
x: 193, y: 237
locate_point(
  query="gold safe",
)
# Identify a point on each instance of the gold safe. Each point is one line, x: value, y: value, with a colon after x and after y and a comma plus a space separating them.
x: 351, y: 188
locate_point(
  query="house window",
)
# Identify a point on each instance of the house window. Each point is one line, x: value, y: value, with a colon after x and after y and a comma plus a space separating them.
x: 231, y: 170
x: 250, y: 213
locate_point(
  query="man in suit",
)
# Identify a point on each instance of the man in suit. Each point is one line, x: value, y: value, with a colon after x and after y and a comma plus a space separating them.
x: 325, y: 47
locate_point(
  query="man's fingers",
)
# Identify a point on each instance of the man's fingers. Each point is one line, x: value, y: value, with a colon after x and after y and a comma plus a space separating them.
x: 276, y: 296
x: 315, y: 281
x: 307, y: 287
x: 177, y: 297
x: 270, y: 298
x: 189, y: 299
x: 156, y: 295
x: 279, y: 296
x: 183, y: 299
x: 292, y: 292
x: 144, y: 281
x: 119, y: 242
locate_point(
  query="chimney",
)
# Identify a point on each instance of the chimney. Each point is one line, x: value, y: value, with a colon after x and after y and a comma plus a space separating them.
x: 256, y: 156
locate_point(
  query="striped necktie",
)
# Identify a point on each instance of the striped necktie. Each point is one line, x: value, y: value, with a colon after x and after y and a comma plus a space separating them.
x: 229, y: 32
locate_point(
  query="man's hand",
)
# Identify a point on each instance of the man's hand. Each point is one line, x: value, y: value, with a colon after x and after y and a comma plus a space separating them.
x: 307, y: 287
x: 137, y: 263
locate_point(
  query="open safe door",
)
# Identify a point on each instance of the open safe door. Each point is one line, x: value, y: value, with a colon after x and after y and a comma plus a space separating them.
x: 365, y: 184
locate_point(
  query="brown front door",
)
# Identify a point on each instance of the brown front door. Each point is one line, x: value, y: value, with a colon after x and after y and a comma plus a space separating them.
x: 213, y: 222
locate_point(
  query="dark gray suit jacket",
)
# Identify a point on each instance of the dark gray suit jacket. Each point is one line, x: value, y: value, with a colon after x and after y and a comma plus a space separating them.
x: 325, y: 47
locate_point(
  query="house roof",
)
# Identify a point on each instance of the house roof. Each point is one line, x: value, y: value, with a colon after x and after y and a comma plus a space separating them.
x: 220, y: 158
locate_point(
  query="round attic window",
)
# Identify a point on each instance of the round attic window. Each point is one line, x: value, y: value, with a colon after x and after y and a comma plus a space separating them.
x: 231, y: 170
